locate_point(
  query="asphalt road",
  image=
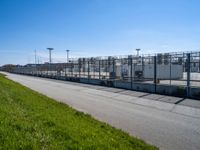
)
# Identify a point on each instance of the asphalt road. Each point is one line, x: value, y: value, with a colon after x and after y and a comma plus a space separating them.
x: 166, y: 125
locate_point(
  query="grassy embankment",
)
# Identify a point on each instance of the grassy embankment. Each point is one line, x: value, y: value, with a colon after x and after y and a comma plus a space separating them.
x: 29, y: 120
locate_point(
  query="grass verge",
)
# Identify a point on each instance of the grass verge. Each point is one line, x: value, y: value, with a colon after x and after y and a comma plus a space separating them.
x: 29, y: 120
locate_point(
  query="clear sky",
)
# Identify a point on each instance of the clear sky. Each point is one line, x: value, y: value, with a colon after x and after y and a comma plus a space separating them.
x: 95, y: 28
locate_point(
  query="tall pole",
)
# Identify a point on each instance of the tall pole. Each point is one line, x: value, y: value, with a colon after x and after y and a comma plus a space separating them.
x: 138, y: 51
x: 50, y: 49
x: 67, y: 55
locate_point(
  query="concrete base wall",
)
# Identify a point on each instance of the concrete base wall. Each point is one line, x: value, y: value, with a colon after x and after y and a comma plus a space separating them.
x: 150, y: 88
x: 195, y: 92
x: 121, y: 84
x: 174, y: 90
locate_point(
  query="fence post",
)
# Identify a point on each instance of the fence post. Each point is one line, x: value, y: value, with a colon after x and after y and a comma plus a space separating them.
x: 79, y: 69
x: 71, y: 68
x: 113, y: 75
x: 88, y: 69
x: 170, y: 71
x: 99, y: 69
x: 131, y: 61
x: 155, y: 74
x: 199, y: 61
x: 49, y: 69
x: 188, y: 74
x: 65, y: 70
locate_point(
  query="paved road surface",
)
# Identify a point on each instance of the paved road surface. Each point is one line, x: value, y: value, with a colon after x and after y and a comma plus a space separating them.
x: 166, y: 125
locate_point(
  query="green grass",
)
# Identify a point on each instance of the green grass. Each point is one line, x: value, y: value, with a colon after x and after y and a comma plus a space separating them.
x: 29, y: 120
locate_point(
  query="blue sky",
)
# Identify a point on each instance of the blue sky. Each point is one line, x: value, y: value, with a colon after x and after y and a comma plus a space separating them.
x: 95, y: 28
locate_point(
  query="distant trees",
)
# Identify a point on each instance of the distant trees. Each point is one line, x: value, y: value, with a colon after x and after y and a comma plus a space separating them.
x: 8, y: 67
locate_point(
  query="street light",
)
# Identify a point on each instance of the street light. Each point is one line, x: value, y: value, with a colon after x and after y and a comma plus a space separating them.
x: 50, y: 49
x: 67, y: 55
x: 138, y: 49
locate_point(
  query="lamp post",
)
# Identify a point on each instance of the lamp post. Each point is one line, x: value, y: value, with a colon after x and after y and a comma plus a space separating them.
x: 67, y: 55
x: 138, y: 49
x: 50, y: 49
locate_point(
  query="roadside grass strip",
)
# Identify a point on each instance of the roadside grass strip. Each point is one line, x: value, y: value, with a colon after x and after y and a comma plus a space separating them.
x: 29, y: 120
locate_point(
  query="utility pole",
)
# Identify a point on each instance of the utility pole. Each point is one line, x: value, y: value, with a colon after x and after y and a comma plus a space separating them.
x: 50, y: 49
x: 67, y: 55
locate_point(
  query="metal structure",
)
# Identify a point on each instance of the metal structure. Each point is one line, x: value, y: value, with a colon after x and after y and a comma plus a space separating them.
x: 169, y: 73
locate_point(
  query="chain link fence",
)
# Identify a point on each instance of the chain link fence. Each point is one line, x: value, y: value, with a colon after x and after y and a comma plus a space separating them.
x: 165, y: 73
